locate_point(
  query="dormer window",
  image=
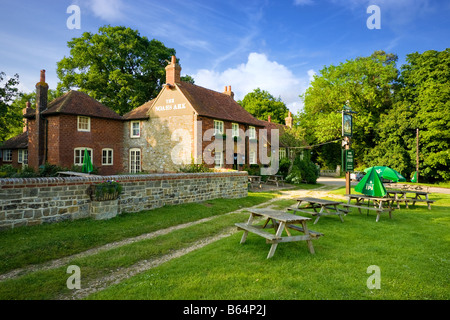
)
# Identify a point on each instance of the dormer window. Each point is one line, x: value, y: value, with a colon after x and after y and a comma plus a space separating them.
x: 84, y: 124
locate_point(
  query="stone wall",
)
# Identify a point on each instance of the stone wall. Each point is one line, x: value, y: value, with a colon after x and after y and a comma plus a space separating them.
x: 31, y: 201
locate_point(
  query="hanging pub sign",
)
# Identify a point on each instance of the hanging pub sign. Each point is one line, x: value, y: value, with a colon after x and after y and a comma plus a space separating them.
x: 347, y: 125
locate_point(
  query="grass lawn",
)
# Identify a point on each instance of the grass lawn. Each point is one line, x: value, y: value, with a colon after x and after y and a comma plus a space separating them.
x: 411, y: 250
x: 32, y: 245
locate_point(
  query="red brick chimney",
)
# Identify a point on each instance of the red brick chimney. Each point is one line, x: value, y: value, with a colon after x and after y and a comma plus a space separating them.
x: 228, y: 91
x: 173, y: 71
x: 37, y: 135
x: 24, y: 112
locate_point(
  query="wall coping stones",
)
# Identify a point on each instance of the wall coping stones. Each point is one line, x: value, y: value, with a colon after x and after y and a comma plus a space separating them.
x: 54, y: 181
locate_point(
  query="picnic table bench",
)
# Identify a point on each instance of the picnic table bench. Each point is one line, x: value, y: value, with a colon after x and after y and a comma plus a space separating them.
x: 276, y: 179
x: 401, y: 196
x: 377, y: 204
x: 281, y: 221
x: 255, y: 181
x: 327, y: 207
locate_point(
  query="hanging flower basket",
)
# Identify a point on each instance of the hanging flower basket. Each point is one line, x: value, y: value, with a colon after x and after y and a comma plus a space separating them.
x: 107, y: 190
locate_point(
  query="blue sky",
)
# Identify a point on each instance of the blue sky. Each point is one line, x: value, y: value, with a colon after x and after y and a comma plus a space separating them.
x: 276, y: 45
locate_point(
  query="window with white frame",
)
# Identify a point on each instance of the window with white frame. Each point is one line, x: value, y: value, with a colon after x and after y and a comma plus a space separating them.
x: 22, y: 156
x: 79, y: 156
x: 107, y: 157
x: 252, y: 132
x: 135, y: 129
x: 84, y: 124
x: 218, y: 127
x: 252, y: 157
x: 282, y: 153
x: 135, y: 160
x: 235, y: 129
x: 218, y: 159
x: 7, y: 155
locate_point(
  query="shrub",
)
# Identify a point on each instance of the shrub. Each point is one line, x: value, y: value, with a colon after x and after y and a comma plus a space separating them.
x: 284, y: 167
x: 303, y: 170
x: 195, y: 168
x: 7, y: 171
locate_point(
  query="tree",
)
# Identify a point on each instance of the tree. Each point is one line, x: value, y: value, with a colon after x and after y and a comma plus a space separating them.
x: 261, y: 104
x: 368, y: 84
x: 10, y: 115
x: 423, y: 102
x: 117, y: 66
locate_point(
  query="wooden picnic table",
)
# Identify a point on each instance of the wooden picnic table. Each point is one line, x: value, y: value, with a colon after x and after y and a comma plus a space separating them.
x: 276, y: 179
x: 327, y: 207
x: 281, y: 221
x: 401, y: 196
x: 378, y: 204
x: 255, y: 180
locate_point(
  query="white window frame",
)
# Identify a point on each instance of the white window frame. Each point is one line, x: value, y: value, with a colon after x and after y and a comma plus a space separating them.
x: 22, y: 156
x: 132, y: 162
x: 251, y: 132
x: 79, y: 122
x: 109, y: 157
x: 218, y: 127
x: 252, y: 158
x: 132, y: 135
x: 7, y: 155
x: 81, y: 155
x: 218, y: 159
x: 235, y: 129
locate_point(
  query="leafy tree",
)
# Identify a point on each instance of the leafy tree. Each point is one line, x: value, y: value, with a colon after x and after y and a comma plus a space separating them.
x: 10, y: 115
x: 423, y: 103
x: 187, y: 78
x: 368, y: 84
x: 261, y: 104
x: 117, y: 66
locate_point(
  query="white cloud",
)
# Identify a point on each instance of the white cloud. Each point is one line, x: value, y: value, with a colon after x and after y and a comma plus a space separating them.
x: 258, y: 72
x: 109, y: 10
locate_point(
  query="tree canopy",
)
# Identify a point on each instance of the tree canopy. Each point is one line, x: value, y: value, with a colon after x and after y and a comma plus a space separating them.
x: 423, y: 102
x: 261, y: 104
x: 391, y: 105
x: 10, y: 115
x: 116, y: 66
x: 367, y: 83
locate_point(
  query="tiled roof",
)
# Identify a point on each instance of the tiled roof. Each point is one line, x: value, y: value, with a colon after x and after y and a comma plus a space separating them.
x: 271, y: 126
x: 215, y: 104
x: 140, y: 112
x: 77, y: 103
x: 18, y: 142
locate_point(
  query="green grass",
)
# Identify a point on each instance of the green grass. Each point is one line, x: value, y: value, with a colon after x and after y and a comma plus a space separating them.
x: 412, y: 251
x: 32, y: 245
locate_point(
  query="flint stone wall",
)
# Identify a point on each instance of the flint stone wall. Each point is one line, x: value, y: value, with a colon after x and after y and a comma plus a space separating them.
x: 32, y: 201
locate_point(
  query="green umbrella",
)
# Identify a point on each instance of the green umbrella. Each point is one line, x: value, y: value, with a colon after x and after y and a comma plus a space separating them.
x: 87, y: 164
x: 371, y: 185
x: 414, y: 178
x: 388, y: 173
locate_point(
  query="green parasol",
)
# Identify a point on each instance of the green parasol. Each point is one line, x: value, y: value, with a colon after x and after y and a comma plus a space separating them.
x: 87, y: 164
x: 414, y: 178
x: 371, y: 185
x: 388, y: 173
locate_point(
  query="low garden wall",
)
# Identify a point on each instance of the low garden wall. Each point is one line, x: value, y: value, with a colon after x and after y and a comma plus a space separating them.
x: 31, y: 201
